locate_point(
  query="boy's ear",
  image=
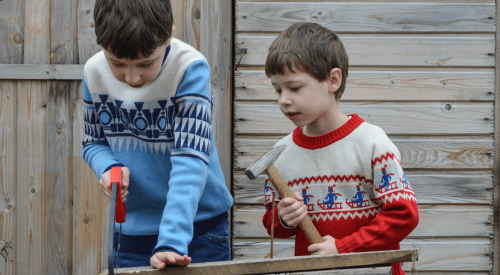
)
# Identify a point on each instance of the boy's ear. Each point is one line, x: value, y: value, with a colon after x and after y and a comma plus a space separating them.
x: 334, y: 79
x: 172, y: 33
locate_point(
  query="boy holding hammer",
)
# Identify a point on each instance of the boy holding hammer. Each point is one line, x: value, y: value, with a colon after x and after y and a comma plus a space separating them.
x: 350, y: 171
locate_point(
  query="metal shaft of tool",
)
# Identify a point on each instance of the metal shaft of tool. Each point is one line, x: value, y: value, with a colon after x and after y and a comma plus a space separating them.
x: 111, y: 227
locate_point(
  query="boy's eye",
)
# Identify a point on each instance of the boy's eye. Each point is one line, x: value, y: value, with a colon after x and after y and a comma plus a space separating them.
x: 117, y: 65
x: 146, y: 65
x: 295, y: 88
x: 278, y: 91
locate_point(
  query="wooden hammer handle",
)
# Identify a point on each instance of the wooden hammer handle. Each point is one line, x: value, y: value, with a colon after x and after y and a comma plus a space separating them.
x: 284, y: 191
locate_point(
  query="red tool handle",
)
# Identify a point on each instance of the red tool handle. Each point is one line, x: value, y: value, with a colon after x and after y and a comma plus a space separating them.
x: 121, y: 211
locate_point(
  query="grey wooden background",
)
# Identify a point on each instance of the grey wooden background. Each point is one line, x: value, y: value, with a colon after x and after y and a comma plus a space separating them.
x: 422, y: 70
x: 52, y: 213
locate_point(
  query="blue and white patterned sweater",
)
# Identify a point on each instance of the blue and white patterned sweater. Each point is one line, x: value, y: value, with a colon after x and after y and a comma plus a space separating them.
x: 163, y: 133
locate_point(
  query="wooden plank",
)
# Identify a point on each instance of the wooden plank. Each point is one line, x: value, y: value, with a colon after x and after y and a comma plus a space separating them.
x: 430, y: 187
x: 87, y: 201
x: 453, y: 254
x: 31, y: 166
x: 394, y: 50
x: 371, y: 271
x: 64, y: 32
x: 178, y: 10
x: 8, y: 187
x: 496, y: 167
x: 11, y: 31
x: 41, y: 72
x: 87, y: 45
x: 434, y: 118
x: 378, y: 1
x: 416, y: 152
x: 59, y: 187
x: 435, y: 221
x: 216, y: 41
x: 368, y: 17
x: 37, y: 32
x: 192, y: 19
x: 387, y: 86
x: 290, y: 264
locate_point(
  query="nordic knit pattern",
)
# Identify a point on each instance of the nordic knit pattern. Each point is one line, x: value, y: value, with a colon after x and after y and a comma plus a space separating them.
x: 162, y: 132
x: 353, y: 185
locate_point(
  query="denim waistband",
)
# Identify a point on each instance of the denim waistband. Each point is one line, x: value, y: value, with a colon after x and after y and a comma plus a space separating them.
x: 144, y: 244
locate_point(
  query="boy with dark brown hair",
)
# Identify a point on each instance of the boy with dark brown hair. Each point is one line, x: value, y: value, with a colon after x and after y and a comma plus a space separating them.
x: 346, y: 173
x: 148, y: 109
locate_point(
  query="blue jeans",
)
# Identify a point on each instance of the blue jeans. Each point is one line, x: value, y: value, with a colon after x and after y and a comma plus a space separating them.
x: 212, y: 246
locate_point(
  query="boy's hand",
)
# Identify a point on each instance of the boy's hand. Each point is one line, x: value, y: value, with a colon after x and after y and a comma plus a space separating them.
x: 292, y: 210
x: 324, y: 248
x: 106, y: 185
x: 161, y: 259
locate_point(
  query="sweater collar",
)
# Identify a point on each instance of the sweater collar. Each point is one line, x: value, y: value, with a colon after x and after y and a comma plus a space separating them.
x: 322, y: 141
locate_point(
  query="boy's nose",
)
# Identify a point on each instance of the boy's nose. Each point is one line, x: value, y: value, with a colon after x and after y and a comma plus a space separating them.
x: 131, y: 77
x: 284, y: 99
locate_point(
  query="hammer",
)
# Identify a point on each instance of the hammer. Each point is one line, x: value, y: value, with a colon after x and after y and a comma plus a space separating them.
x: 265, y: 163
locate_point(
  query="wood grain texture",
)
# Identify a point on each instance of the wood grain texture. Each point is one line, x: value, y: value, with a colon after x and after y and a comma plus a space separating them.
x: 368, y: 17
x: 435, y: 118
x: 37, y: 32
x: 11, y: 31
x: 453, y: 254
x: 393, y: 50
x: 192, y: 19
x: 435, y: 221
x: 87, y: 200
x: 377, y: 1
x: 416, y: 152
x: 8, y: 177
x: 430, y: 187
x: 41, y: 72
x: 64, y: 32
x: 305, y: 263
x: 87, y: 45
x: 59, y: 183
x: 496, y: 168
x: 386, y: 85
x: 31, y: 177
x: 216, y: 37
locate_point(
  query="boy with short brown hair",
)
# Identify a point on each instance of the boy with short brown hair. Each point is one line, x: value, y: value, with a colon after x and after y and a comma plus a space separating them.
x: 346, y: 173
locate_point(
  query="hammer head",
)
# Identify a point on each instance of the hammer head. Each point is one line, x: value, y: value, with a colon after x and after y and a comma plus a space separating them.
x: 263, y: 162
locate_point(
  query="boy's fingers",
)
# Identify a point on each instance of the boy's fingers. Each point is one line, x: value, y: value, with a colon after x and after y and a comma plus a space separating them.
x: 155, y: 262
x: 298, y: 196
x: 125, y: 177
x: 313, y: 248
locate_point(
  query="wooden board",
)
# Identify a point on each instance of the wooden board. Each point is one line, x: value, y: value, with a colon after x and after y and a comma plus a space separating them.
x: 11, y: 32
x: 434, y: 118
x: 216, y: 45
x: 386, y: 85
x: 394, y: 50
x: 431, y: 188
x: 448, y: 254
x: 31, y: 230
x: 87, y: 201
x: 368, y: 17
x: 41, y: 72
x: 416, y: 152
x: 290, y: 264
x: 371, y: 271
x: 87, y: 45
x: 8, y: 186
x: 63, y: 32
x: 435, y: 221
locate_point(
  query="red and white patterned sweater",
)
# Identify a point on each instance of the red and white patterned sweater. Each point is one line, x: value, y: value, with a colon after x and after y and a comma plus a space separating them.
x: 353, y: 185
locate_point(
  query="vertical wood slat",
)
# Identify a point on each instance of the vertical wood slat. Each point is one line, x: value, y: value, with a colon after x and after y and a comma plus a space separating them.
x: 87, y: 201
x: 216, y: 45
x: 178, y: 7
x: 87, y: 45
x: 59, y: 187
x: 192, y: 19
x: 8, y: 188
x: 496, y: 164
x: 31, y: 145
x: 64, y: 35
x: 37, y: 32
x: 12, y: 30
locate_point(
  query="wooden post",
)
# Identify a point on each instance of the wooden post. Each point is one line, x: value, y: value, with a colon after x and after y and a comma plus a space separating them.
x: 496, y: 165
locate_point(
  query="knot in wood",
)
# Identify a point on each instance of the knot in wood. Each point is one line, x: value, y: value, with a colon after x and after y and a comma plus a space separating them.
x: 17, y: 38
x: 59, y: 131
x: 91, y: 24
x: 197, y: 13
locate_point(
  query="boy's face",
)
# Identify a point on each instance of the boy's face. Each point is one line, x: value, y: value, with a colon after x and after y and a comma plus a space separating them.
x: 137, y: 72
x: 306, y: 101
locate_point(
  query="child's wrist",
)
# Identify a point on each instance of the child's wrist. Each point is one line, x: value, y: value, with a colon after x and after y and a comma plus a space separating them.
x: 284, y: 224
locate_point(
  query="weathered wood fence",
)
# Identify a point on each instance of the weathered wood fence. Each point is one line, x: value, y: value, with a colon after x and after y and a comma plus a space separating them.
x: 51, y: 209
x: 422, y: 70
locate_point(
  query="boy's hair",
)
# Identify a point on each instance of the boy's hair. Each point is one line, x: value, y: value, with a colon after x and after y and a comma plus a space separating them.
x: 129, y: 27
x: 311, y: 48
